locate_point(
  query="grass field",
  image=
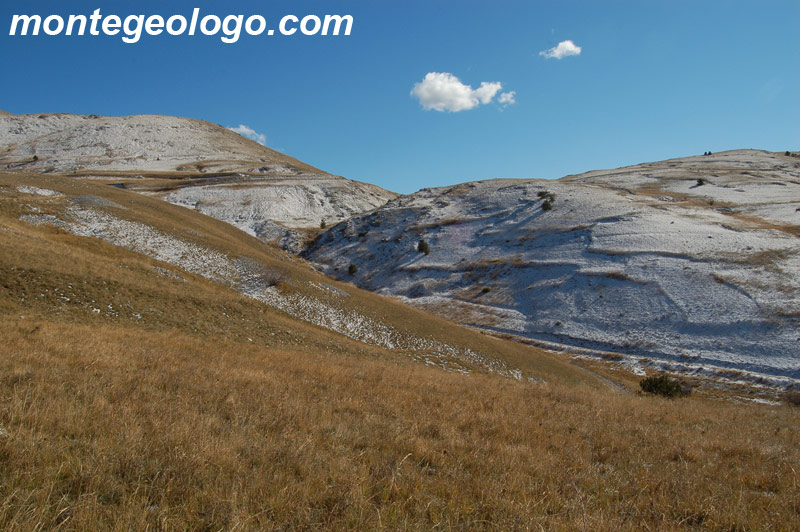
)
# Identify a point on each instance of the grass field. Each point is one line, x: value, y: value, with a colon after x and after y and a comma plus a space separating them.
x: 187, y: 406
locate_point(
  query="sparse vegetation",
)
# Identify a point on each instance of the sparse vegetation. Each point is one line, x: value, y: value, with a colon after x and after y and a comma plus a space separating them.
x: 423, y: 247
x: 322, y: 224
x: 792, y: 397
x: 701, y: 182
x: 107, y: 428
x: 548, y: 197
x: 352, y: 269
x: 663, y: 385
x: 788, y: 153
x: 211, y: 411
x: 35, y: 157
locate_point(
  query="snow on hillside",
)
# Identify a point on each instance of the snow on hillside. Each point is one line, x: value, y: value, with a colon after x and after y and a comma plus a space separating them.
x: 270, y: 209
x: 645, y: 260
x: 67, y: 143
x: 86, y: 216
x: 224, y: 175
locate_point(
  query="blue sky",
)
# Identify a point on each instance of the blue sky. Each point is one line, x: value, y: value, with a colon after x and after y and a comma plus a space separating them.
x: 653, y: 80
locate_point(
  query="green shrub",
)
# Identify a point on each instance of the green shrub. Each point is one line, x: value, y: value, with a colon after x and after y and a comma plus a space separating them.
x: 35, y: 157
x: 423, y: 247
x: 547, y: 205
x: 788, y: 153
x: 701, y: 182
x: 322, y: 224
x: 352, y: 269
x: 663, y: 385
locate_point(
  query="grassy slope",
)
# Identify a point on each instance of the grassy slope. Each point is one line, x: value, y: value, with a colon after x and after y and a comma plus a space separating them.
x: 214, y: 412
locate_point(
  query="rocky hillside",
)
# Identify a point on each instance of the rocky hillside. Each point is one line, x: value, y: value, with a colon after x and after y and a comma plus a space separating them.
x: 66, y: 143
x: 191, y: 163
x: 692, y: 263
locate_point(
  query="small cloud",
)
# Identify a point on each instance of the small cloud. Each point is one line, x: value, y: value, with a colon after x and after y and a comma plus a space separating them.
x: 507, y: 98
x: 442, y: 91
x: 562, y: 50
x: 250, y: 133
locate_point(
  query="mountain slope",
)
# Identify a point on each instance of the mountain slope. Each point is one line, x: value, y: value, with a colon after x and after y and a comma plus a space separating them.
x: 66, y: 143
x: 691, y: 261
x: 191, y: 163
x: 162, y: 370
x: 66, y: 233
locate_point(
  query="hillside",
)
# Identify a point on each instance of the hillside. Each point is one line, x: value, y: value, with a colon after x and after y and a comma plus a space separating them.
x: 67, y: 143
x: 691, y: 264
x: 191, y: 163
x: 163, y: 370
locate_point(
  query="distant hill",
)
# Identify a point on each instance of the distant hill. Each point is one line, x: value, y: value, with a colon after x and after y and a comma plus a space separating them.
x: 693, y: 262
x: 67, y: 143
x: 191, y: 163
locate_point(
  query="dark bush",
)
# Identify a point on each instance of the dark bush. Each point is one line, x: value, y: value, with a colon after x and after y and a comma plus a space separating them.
x: 792, y: 398
x: 663, y: 385
x: 423, y: 247
x: 788, y: 153
x: 547, y: 205
x: 701, y: 182
x: 352, y: 269
x: 35, y: 157
x: 322, y: 224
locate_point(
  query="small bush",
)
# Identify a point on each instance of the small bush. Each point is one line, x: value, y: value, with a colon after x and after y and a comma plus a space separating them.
x: 547, y: 205
x: 352, y: 269
x: 423, y: 247
x: 701, y: 182
x: 485, y: 290
x: 322, y: 224
x: 788, y: 153
x: 542, y: 194
x: 663, y: 385
x: 35, y: 157
x: 792, y: 398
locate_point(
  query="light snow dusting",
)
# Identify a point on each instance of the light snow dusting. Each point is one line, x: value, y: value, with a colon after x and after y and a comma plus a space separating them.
x: 644, y: 260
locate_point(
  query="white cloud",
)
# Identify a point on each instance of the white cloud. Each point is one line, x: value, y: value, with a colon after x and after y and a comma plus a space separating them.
x: 442, y: 91
x: 507, y: 98
x: 562, y: 50
x: 250, y: 133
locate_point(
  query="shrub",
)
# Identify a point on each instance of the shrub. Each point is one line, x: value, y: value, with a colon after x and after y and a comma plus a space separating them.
x: 542, y: 194
x: 663, y: 385
x: 485, y: 290
x: 547, y: 205
x: 352, y: 269
x: 701, y: 182
x: 423, y: 247
x: 788, y: 153
x: 792, y: 398
x: 322, y: 224
x: 35, y: 157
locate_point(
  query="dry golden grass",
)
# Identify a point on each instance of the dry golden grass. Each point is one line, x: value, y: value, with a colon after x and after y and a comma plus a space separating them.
x: 115, y: 428
x: 215, y: 412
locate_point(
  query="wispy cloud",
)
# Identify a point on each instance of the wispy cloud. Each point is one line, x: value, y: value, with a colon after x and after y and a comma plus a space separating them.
x: 561, y: 50
x: 442, y: 91
x: 250, y: 133
x: 507, y: 98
